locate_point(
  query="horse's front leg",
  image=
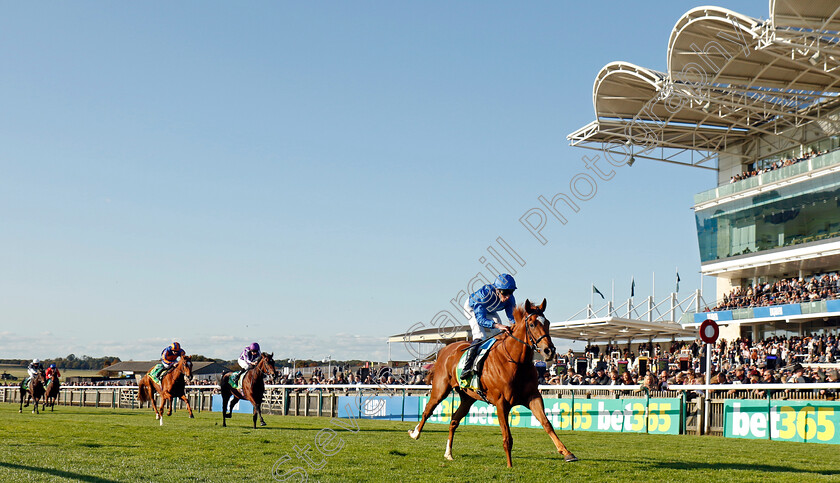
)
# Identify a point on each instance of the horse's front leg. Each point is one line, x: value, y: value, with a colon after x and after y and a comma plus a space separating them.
x: 258, y: 407
x: 538, y: 410
x: 502, y: 411
x: 187, y: 402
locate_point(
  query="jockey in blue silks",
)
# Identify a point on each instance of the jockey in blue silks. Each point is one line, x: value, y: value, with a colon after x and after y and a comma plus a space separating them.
x: 481, y: 310
x: 168, y: 358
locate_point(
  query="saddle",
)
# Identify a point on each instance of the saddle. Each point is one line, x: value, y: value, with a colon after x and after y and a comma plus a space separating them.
x: 235, y: 379
x: 478, y: 364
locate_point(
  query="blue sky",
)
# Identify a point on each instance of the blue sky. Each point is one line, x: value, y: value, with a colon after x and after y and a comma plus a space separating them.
x: 315, y: 177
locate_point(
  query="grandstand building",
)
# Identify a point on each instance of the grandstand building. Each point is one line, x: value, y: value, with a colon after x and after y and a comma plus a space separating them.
x: 758, y: 102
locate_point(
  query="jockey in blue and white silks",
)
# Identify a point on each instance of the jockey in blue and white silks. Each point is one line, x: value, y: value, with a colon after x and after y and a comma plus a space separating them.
x: 481, y: 310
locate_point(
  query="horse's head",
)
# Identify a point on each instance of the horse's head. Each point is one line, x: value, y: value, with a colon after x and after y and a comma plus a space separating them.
x: 532, y: 327
x: 266, y: 363
x: 186, y: 366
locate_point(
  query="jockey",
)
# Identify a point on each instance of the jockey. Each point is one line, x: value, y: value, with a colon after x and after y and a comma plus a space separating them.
x: 33, y: 369
x: 168, y: 358
x: 52, y: 371
x: 249, y: 357
x: 481, y: 310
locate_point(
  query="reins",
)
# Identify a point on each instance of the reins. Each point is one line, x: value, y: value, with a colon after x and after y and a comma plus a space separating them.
x: 533, y: 342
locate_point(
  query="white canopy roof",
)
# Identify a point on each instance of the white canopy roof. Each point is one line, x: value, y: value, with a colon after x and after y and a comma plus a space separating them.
x: 729, y: 76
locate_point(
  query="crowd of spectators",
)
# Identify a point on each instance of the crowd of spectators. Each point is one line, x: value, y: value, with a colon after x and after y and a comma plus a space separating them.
x: 741, y: 361
x: 786, y: 291
x: 780, y: 163
x: 772, y: 360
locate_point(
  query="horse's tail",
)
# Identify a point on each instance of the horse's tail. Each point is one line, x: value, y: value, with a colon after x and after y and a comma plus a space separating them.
x: 143, y: 390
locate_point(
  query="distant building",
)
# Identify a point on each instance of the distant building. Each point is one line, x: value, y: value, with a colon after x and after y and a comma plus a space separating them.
x: 202, y: 371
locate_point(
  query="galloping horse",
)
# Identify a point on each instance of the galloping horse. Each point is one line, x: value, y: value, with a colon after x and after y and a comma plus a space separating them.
x: 51, y: 392
x: 172, y: 385
x: 35, y: 391
x: 509, y: 378
x: 252, y: 388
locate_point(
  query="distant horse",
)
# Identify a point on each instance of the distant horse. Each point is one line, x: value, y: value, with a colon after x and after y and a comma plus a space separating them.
x: 252, y: 388
x: 51, y: 392
x: 35, y: 391
x: 509, y: 378
x: 172, y: 385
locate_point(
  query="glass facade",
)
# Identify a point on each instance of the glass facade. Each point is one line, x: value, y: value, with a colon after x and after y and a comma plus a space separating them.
x: 803, y: 212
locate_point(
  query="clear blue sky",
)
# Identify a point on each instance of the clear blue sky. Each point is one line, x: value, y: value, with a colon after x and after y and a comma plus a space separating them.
x: 313, y: 176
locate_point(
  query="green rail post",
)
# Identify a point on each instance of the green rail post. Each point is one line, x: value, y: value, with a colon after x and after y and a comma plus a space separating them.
x: 402, y: 411
x: 573, y: 409
x: 647, y: 410
x: 769, y: 425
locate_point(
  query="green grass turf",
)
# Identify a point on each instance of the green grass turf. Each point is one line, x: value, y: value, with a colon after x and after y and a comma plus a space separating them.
x: 102, y: 445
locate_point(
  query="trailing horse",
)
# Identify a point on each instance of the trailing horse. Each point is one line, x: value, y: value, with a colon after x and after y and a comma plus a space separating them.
x: 51, y: 392
x: 251, y: 389
x: 172, y: 385
x: 509, y: 378
x: 35, y: 391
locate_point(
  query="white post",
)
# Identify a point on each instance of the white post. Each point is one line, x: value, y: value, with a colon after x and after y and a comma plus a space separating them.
x: 650, y: 308
x: 673, y: 311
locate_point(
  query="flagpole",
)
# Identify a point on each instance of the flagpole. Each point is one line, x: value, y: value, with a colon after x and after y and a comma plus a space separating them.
x: 653, y: 286
x: 612, y: 295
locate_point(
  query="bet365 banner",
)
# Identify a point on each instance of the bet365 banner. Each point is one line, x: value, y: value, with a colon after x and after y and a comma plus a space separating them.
x: 803, y: 421
x: 614, y: 415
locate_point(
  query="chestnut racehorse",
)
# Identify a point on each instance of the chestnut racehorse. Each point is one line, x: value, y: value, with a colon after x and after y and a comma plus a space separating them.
x: 252, y: 388
x: 172, y: 385
x: 35, y: 391
x: 51, y: 392
x: 509, y: 378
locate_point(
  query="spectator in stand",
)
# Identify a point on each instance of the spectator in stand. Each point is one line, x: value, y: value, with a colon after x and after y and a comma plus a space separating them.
x: 601, y: 377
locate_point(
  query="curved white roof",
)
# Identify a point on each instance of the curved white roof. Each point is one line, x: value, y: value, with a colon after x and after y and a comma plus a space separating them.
x: 729, y: 76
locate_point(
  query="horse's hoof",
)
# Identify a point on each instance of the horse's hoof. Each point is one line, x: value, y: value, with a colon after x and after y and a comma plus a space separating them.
x: 192, y: 417
x: 449, y: 457
x: 570, y: 457
x: 20, y: 410
x: 161, y: 421
x: 262, y: 423
x: 413, y: 433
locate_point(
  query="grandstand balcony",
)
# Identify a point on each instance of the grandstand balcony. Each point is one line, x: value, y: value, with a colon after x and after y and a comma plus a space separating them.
x: 785, y: 221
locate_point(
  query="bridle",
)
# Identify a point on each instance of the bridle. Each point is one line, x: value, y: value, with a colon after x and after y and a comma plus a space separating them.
x: 533, y: 343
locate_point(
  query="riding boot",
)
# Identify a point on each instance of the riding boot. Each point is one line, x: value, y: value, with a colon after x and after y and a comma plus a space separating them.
x: 468, y: 365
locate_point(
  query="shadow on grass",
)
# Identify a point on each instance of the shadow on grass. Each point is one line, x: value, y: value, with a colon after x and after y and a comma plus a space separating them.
x: 739, y: 466
x: 59, y: 473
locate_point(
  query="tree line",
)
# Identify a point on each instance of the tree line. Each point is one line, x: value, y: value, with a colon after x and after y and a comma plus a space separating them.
x: 69, y: 362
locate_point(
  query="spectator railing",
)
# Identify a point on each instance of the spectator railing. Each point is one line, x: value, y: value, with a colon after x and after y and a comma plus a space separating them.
x: 776, y: 175
x: 701, y: 409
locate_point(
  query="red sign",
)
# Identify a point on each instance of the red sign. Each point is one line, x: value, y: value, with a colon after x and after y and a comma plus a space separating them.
x: 709, y: 331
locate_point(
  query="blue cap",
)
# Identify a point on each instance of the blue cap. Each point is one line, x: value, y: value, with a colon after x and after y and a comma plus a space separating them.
x: 505, y: 282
